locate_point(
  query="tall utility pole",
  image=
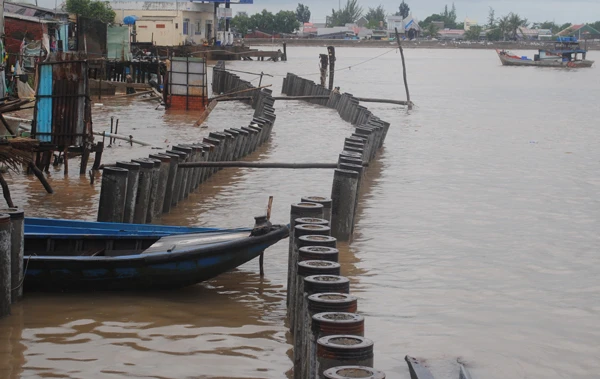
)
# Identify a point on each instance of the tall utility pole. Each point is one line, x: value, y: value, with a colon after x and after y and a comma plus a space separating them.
x: 227, y: 20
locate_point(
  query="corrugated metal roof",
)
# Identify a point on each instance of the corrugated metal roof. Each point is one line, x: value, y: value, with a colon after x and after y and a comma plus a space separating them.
x: 32, y: 19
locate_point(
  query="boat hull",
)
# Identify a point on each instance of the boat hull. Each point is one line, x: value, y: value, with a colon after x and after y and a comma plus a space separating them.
x: 163, y: 269
x: 509, y: 61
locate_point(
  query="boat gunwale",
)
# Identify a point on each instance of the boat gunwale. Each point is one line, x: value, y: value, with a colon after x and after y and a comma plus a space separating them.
x: 279, y: 232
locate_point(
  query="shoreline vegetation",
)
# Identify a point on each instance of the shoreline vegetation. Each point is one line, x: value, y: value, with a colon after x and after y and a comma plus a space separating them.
x: 414, y: 44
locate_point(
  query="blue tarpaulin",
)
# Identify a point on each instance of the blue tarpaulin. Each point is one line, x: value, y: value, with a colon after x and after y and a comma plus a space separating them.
x: 44, y: 104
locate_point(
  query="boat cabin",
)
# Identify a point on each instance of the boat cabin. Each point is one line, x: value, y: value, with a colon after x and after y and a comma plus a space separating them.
x: 566, y: 49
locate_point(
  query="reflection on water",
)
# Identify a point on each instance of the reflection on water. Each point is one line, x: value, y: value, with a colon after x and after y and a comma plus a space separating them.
x: 476, y: 237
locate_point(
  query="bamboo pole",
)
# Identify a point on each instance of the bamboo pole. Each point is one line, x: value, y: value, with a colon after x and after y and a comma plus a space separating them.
x: 409, y: 103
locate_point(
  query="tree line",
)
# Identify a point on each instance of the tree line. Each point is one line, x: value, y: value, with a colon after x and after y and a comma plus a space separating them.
x: 496, y: 29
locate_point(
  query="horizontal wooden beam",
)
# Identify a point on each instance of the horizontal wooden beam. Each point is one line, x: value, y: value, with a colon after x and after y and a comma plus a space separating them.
x: 300, y: 97
x: 259, y: 165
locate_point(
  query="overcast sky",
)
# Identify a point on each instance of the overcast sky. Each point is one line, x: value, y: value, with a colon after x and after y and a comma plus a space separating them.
x: 559, y: 11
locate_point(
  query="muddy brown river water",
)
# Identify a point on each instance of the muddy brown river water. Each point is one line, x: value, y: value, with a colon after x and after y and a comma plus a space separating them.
x: 477, y: 235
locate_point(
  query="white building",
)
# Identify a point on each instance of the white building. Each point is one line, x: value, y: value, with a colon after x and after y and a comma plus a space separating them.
x: 169, y: 23
x: 408, y: 27
x: 469, y: 23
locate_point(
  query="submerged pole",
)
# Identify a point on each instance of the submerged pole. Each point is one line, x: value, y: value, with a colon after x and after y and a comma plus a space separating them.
x: 5, y: 265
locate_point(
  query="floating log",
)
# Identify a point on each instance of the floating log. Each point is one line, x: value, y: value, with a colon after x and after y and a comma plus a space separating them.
x: 259, y: 165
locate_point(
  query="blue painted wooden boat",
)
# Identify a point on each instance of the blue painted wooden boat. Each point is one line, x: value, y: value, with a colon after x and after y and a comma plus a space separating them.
x: 79, y: 255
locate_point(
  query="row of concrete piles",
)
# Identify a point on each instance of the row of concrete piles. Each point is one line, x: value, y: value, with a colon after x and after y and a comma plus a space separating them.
x: 360, y: 148
x: 328, y: 333
x: 140, y: 190
x: 11, y: 257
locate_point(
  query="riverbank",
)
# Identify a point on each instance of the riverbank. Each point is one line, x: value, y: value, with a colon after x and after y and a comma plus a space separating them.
x: 419, y: 44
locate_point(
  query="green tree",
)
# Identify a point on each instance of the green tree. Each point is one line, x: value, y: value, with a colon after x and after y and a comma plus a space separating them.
x: 448, y: 17
x: 347, y: 15
x: 494, y: 34
x: 552, y: 26
x: 375, y: 16
x: 403, y: 10
x: 434, y: 17
x: 432, y: 31
x: 596, y: 25
x: 565, y: 26
x: 302, y: 13
x: 241, y: 23
x: 452, y: 14
x: 96, y: 10
x: 491, y: 18
x: 503, y: 27
x: 473, y: 33
x: 514, y: 23
x: 265, y: 21
x: 285, y: 22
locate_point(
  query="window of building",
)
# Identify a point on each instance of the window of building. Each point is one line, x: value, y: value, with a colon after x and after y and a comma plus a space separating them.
x: 198, y: 30
x: 186, y: 26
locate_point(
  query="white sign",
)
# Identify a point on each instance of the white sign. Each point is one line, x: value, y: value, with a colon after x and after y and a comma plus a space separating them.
x: 224, y: 13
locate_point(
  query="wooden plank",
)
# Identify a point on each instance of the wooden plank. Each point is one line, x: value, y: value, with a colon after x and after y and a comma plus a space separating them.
x: 417, y: 370
x: 206, y: 112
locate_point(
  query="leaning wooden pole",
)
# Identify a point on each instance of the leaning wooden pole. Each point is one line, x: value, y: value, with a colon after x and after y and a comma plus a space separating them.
x: 6, y: 192
x: 409, y: 103
x: 331, y: 52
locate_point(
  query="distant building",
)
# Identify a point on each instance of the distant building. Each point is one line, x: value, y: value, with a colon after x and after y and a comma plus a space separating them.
x: 362, y: 22
x: 169, y: 23
x: 534, y: 34
x: 469, y: 23
x: 452, y: 34
x: 407, y: 27
x: 581, y: 31
x: 439, y: 24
